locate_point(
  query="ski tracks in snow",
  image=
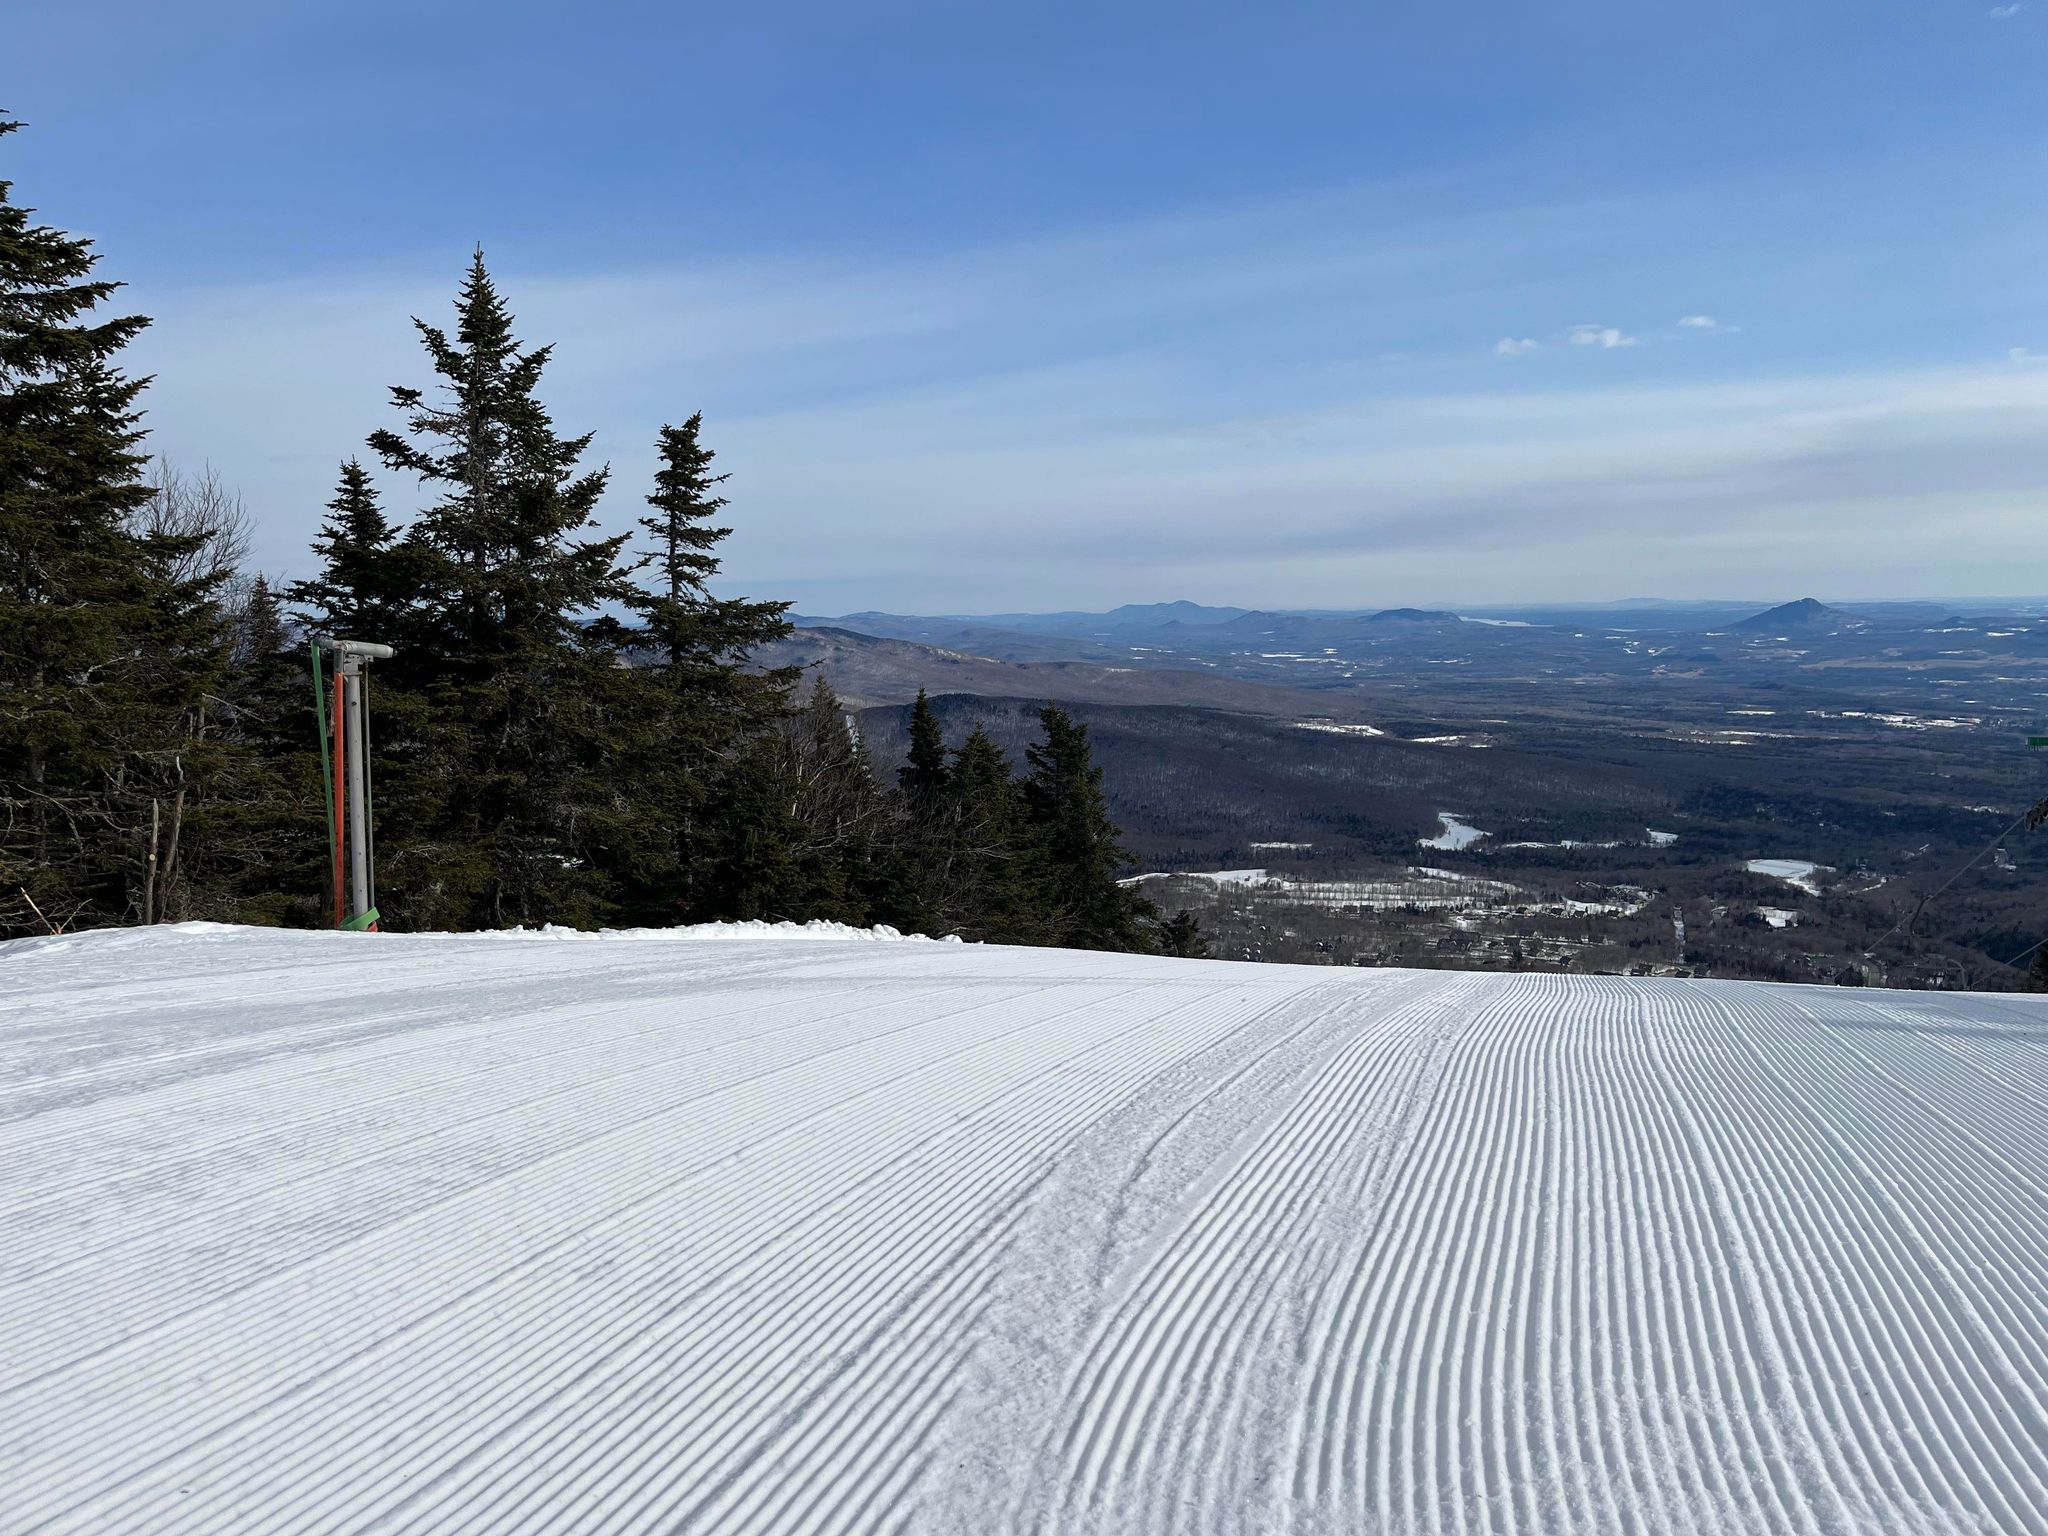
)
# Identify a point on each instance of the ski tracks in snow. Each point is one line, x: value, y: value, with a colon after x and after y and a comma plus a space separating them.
x: 317, y: 1232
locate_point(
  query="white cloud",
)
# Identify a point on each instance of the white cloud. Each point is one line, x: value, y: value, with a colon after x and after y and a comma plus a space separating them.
x: 1079, y: 479
x: 1566, y: 492
x: 2000, y: 12
x: 2025, y: 355
x: 1700, y: 323
x: 1605, y: 337
x: 1076, y: 420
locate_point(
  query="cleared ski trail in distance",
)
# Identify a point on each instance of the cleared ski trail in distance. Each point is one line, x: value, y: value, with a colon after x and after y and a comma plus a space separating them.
x: 772, y: 1232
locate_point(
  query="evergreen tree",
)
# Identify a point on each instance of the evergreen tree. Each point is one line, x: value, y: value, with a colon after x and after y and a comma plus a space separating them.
x: 702, y: 720
x: 2037, y: 973
x: 259, y: 646
x: 988, y: 893
x: 923, y: 776
x: 1076, y: 845
x: 107, y: 646
x: 802, y: 825
x: 1181, y: 936
x: 679, y: 615
x: 519, y: 685
x: 921, y: 896
x: 259, y: 839
x: 685, y: 499
x: 839, y: 807
x: 369, y: 581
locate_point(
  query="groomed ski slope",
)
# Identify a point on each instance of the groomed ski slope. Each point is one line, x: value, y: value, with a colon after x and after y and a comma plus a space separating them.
x: 753, y: 1232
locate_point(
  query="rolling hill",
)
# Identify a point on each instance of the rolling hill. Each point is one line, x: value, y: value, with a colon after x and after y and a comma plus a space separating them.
x: 1806, y: 615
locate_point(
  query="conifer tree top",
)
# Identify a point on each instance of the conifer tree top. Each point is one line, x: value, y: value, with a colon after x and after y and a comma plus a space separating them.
x: 46, y: 286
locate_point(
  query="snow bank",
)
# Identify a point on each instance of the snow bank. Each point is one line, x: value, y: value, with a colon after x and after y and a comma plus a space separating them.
x: 338, y: 1232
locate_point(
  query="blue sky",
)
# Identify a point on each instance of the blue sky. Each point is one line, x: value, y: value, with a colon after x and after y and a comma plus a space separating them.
x: 1005, y: 306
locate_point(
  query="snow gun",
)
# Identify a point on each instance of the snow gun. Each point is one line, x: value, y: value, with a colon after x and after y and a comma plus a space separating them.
x: 344, y: 716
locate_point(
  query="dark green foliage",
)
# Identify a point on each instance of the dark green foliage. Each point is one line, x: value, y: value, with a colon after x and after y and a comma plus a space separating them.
x: 700, y: 731
x: 980, y: 853
x: 839, y: 813
x: 2037, y: 973
x: 1181, y: 936
x: 517, y: 703
x: 922, y: 895
x: 679, y: 615
x: 1075, y: 844
x: 798, y: 831
x: 110, y: 637
x: 923, y: 775
x: 990, y: 868
x: 370, y: 582
x: 258, y: 855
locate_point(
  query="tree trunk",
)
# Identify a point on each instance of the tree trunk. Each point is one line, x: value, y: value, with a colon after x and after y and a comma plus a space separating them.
x: 170, y: 870
x: 149, y: 867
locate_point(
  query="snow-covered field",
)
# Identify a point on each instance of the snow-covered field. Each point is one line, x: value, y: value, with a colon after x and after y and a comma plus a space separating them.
x: 707, y: 1232
x: 1455, y: 833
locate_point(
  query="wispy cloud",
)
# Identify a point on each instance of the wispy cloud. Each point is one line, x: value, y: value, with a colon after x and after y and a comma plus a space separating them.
x: 1700, y: 323
x: 1464, y: 495
x: 1195, y: 407
x: 1605, y: 337
x: 2025, y: 355
x: 2001, y: 12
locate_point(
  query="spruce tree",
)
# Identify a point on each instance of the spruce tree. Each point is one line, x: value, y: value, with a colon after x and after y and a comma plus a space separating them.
x: 1181, y: 936
x: 513, y: 499
x: 701, y: 720
x: 1076, y: 845
x: 106, y: 651
x: 802, y: 824
x: 266, y: 689
x: 921, y: 895
x: 838, y: 806
x: 516, y: 672
x: 2037, y: 973
x: 923, y: 775
x: 679, y: 615
x: 370, y: 582
x: 989, y: 893
x: 258, y: 838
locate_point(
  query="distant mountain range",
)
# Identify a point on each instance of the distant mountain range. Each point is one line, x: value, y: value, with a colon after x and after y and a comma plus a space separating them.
x: 1010, y: 634
x: 1072, y: 621
x: 1123, y: 624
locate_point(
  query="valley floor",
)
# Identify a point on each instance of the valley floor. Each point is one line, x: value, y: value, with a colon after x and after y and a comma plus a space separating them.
x: 717, y: 1231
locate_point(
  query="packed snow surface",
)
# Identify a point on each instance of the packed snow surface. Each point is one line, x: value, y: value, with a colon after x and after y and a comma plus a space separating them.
x: 701, y: 1232
x: 1803, y: 873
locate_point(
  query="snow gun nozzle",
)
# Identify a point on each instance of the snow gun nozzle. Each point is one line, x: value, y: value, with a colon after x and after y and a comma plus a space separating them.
x: 341, y: 647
